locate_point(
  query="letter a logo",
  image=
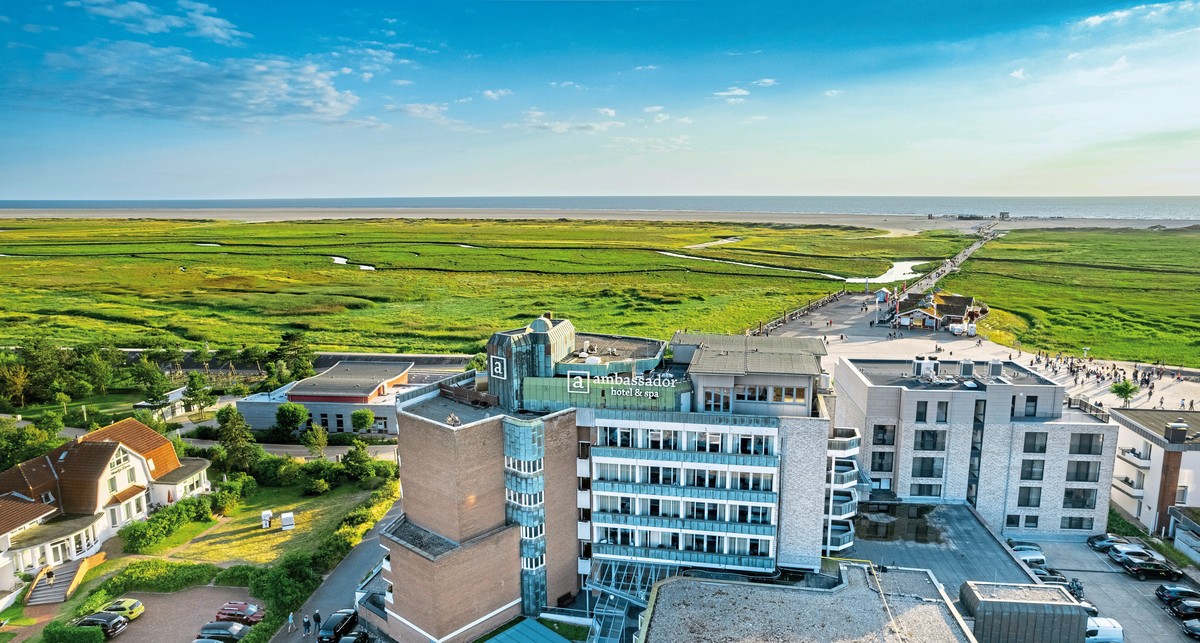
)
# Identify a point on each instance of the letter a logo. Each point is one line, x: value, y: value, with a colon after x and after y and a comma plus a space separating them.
x: 498, y: 367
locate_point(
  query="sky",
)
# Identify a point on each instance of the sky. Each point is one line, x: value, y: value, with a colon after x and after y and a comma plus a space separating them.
x: 180, y: 99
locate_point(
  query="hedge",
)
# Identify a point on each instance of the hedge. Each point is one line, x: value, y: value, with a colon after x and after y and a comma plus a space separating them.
x: 57, y: 632
x: 150, y: 575
x: 142, y: 535
x: 237, y: 576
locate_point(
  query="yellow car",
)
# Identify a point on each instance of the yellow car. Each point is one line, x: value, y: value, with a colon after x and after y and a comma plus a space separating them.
x: 128, y: 607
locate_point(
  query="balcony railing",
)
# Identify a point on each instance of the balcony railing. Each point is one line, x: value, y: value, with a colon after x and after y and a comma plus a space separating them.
x: 701, y: 457
x: 725, y: 561
x: 842, y: 536
x: 678, y: 491
x: 1128, y: 487
x: 844, y: 506
x: 663, y: 522
x: 844, y: 442
x: 1134, y: 457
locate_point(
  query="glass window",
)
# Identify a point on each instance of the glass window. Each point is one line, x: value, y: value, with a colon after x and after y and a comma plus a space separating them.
x: 1012, y: 520
x: 131, y: 475
x: 1032, y: 469
x: 1031, y: 522
x: 943, y: 410
x: 1031, y: 406
x: 927, y: 467
x: 1082, y: 471
x: 536, y: 562
x: 1069, y: 522
x: 1079, y: 499
x: 1087, y: 443
x: 717, y: 399
x: 1035, y: 442
x: 884, y: 435
x: 1181, y: 495
x: 925, y: 490
x: 112, y: 485
x: 1029, y: 497
x: 929, y: 440
x: 922, y: 411
x: 882, y: 461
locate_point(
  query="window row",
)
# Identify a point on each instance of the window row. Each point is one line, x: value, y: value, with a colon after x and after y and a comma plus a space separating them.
x: 943, y: 411
x: 1081, y: 443
x: 523, y: 466
x: 1072, y: 498
x: 691, y: 510
x: 1077, y: 470
x: 672, y: 440
x: 925, y: 490
x: 763, y: 393
x: 709, y: 478
x: 524, y: 499
x: 536, y: 562
x: 707, y: 543
x: 536, y: 531
x: 1014, y: 520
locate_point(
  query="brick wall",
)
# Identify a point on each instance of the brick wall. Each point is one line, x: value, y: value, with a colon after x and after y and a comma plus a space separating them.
x: 802, y: 475
x: 562, y: 548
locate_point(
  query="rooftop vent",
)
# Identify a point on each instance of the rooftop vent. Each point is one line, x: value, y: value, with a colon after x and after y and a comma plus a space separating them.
x: 1177, y: 431
x: 966, y: 368
x: 995, y: 368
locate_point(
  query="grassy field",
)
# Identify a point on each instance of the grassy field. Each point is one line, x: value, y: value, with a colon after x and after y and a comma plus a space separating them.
x: 1126, y: 294
x: 241, y: 539
x: 185, y: 533
x: 437, y: 285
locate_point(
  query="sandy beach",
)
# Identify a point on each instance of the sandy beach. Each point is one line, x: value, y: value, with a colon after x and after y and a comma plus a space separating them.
x: 894, y: 223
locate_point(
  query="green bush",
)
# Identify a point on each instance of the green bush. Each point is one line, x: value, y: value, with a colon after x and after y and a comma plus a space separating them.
x: 386, y: 469
x: 58, y: 632
x: 240, y: 484
x: 203, y: 432
x: 286, y: 584
x: 238, y: 575
x: 266, y: 628
x: 225, y: 502
x: 277, y: 471
x: 316, y: 487
x: 144, y: 534
x: 152, y: 575
x: 374, y: 482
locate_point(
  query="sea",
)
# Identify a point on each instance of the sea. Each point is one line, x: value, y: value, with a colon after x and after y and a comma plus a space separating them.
x: 1171, y: 207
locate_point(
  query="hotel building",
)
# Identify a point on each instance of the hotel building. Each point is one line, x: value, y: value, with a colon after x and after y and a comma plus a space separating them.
x: 607, y: 463
x: 993, y: 435
x: 1157, y: 475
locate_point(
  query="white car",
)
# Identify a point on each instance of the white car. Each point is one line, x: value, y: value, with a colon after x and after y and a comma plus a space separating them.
x: 1122, y: 553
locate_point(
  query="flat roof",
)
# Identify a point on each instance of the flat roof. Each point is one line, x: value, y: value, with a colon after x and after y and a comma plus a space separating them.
x: 612, y: 348
x: 56, y: 528
x: 351, y: 378
x: 439, y: 409
x: 898, y: 372
x: 713, y: 361
x: 420, y: 539
x: 1021, y: 593
x: 1155, y: 421
x: 776, y: 344
x: 188, y: 467
x: 686, y: 610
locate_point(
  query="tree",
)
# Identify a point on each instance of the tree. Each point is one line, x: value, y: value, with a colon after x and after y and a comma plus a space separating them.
x: 150, y: 419
x: 46, y: 363
x: 362, y: 419
x: 198, y: 394
x: 477, y: 363
x: 256, y: 354
x: 16, y: 381
x: 63, y: 399
x: 50, y: 421
x: 1125, y: 390
x: 316, y: 439
x: 235, y: 437
x: 153, y: 383
x: 227, y: 354
x: 358, y: 461
x: 18, y: 444
x: 99, y: 365
x: 294, y: 351
x: 289, y: 416
x: 168, y: 352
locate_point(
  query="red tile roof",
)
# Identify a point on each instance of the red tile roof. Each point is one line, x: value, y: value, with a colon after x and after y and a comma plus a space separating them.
x: 16, y: 511
x: 125, y: 494
x: 141, y: 439
x: 79, y: 473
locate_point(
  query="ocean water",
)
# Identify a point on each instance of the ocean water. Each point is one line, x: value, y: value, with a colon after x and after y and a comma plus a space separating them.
x: 1176, y: 207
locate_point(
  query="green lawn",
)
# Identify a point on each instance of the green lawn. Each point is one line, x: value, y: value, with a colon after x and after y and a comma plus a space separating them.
x: 566, y: 630
x: 427, y: 293
x: 241, y: 539
x: 185, y: 533
x: 108, y: 404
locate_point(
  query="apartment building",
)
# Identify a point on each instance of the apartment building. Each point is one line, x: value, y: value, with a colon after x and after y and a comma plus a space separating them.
x: 1157, y: 466
x: 994, y: 435
x: 595, y: 462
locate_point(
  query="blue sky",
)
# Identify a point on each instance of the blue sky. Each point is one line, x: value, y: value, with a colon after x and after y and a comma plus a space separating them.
x: 187, y: 99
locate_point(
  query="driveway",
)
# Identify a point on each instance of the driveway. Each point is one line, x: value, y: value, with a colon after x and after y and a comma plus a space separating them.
x: 1117, y: 594
x: 177, y: 617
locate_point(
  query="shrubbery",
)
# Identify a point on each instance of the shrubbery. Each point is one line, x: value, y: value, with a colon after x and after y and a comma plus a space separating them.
x: 238, y: 576
x: 58, y: 632
x: 316, y: 487
x: 277, y: 471
x: 203, y: 432
x: 142, y: 535
x: 151, y: 575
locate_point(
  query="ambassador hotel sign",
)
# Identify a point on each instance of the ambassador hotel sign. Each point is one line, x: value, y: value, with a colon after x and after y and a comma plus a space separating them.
x: 621, y: 386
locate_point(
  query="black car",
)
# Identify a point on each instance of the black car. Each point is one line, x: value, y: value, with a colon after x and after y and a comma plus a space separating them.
x: 225, y: 631
x: 339, y: 624
x: 1191, y: 628
x: 1048, y: 574
x: 1172, y: 593
x: 109, y: 623
x: 1186, y: 610
x: 1143, y: 569
x: 1104, y: 542
x: 355, y: 637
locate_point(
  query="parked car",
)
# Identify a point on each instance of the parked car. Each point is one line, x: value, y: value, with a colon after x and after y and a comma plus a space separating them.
x: 339, y: 624
x: 130, y: 608
x: 1048, y: 573
x: 1191, y: 628
x: 1104, y: 630
x: 1143, y: 569
x: 224, y: 631
x: 1172, y: 593
x: 109, y: 623
x: 1120, y: 553
x: 1186, y: 610
x: 240, y: 612
x: 356, y: 637
x: 1023, y: 545
x: 1102, y: 542
x: 1091, y: 610
x: 1032, y: 558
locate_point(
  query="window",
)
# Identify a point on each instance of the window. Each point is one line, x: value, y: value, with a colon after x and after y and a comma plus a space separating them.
x: 137, y: 504
x: 702, y: 511
x: 792, y: 394
x: 755, y: 481
x: 1031, y: 406
x: 611, y: 436
x: 131, y: 475
x: 606, y: 472
x: 700, y: 542
x: 1079, y: 499
x: 1076, y: 523
x: 1031, y: 522
x: 1087, y: 443
x: 665, y: 440
x: 752, y: 393
x: 660, y: 475
x: 664, y: 508
x: 1029, y: 497
x: 1032, y: 469
x: 47, y: 497
x: 922, y: 411
x: 1181, y: 495
x: 754, y: 445
x: 121, y: 459
x: 1012, y: 520
x: 150, y: 463
x: 523, y: 499
x: 523, y: 466
x: 339, y: 422
x: 705, y: 478
x: 114, y: 517
x: 710, y: 442
x: 717, y: 399
x: 943, y: 409
x: 112, y: 485
x: 325, y: 420
x: 1035, y: 442
x: 882, y: 461
x: 753, y: 515
x: 536, y: 531
x: 537, y: 562
x: 929, y: 440
x: 1082, y: 471
x: 885, y: 435
x: 927, y: 467
x: 925, y: 490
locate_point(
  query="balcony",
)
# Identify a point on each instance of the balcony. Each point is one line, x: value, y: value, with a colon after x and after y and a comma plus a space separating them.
x: 583, y: 499
x: 387, y: 562
x: 844, y: 443
x: 583, y: 566
x: 1128, y: 487
x: 677, y: 491
x: 684, y: 557
x: 845, y: 505
x: 1132, y: 456
x: 583, y: 530
x: 583, y: 468
x: 841, y: 536
x: 694, y: 457
x: 845, y: 474
x: 664, y: 522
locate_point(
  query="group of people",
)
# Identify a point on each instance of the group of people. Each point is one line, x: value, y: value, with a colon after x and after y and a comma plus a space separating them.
x: 309, y: 625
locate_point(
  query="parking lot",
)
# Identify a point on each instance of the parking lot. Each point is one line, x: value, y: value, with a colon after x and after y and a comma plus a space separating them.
x: 177, y: 617
x: 1117, y: 594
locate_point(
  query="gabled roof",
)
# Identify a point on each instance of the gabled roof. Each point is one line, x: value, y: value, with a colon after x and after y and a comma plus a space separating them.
x: 125, y: 494
x: 708, y: 361
x: 16, y: 511
x: 30, y: 478
x: 81, y: 466
x: 142, y: 440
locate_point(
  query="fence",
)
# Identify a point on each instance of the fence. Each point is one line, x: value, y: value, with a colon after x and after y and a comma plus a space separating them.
x: 797, y: 313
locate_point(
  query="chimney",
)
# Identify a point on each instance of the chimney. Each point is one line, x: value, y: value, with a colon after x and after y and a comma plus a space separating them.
x: 1177, y: 432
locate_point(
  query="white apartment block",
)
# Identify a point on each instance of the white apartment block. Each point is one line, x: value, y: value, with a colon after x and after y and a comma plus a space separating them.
x: 993, y: 435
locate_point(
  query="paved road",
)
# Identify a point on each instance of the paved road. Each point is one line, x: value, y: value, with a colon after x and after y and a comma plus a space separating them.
x: 378, y: 451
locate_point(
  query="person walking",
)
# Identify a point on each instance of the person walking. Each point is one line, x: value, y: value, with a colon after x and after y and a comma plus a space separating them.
x: 307, y: 625
x: 291, y: 622
x: 50, y: 578
x: 317, y: 621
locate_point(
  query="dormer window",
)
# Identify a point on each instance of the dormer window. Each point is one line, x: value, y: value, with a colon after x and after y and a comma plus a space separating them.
x: 47, y: 497
x: 120, y: 460
x: 150, y: 462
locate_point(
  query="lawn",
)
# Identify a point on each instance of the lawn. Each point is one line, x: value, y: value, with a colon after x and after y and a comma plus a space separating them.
x: 241, y: 539
x: 185, y: 533
x: 108, y: 404
x: 437, y: 286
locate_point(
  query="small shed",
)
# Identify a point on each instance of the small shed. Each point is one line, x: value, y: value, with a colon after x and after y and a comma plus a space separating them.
x: 287, y: 521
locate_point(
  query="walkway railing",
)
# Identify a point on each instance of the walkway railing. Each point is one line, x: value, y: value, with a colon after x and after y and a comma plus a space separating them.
x: 797, y: 313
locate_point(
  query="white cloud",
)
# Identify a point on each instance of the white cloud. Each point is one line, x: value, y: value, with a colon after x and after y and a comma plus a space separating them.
x: 496, y: 94
x: 766, y: 82
x: 206, y: 24
x: 402, y: 82
x: 645, y: 68
x: 735, y: 101
x: 1112, y: 16
x: 390, y: 21
x: 567, y: 84
x: 833, y: 92
x: 744, y: 53
x: 535, y: 120
x: 606, y: 111
x: 653, y: 109
x: 1019, y: 74
x: 1147, y: 12
x: 432, y: 112
x: 684, y: 120
x: 733, y: 91
x: 661, y: 118
x: 366, y: 76
x: 142, y: 18
x: 464, y: 100
x: 5, y: 19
